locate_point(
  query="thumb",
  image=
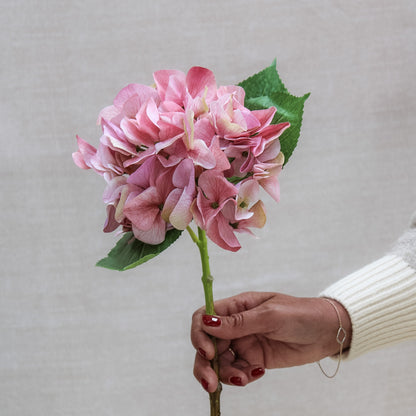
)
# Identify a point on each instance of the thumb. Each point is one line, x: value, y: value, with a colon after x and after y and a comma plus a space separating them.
x: 238, y: 325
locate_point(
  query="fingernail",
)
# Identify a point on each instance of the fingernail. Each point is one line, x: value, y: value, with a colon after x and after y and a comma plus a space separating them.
x: 211, y: 320
x: 257, y: 372
x: 204, y: 384
x: 236, y: 381
x: 202, y: 352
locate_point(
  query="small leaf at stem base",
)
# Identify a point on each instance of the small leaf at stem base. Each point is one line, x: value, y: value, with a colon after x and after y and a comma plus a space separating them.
x: 130, y: 252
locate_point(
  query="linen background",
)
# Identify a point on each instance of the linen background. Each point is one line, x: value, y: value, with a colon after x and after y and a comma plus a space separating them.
x: 80, y: 340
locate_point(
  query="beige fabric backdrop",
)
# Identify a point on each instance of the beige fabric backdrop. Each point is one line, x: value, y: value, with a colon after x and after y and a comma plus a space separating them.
x: 79, y: 340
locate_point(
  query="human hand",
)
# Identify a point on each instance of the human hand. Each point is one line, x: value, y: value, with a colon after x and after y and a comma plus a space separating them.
x: 260, y: 330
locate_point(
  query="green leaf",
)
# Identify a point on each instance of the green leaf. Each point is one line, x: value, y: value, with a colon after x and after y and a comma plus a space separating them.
x: 289, y: 108
x: 263, y: 83
x: 129, y: 252
x: 265, y: 89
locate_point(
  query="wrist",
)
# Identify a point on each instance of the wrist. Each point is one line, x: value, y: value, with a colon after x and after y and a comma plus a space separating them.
x: 346, y: 323
x: 337, y: 323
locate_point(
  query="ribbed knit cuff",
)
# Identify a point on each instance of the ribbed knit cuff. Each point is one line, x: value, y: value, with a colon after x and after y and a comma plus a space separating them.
x: 381, y: 301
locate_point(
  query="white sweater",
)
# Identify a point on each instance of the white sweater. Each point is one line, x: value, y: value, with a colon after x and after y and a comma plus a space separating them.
x: 381, y: 298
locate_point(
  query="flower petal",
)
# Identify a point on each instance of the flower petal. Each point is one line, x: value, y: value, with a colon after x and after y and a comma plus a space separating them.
x: 221, y: 233
x: 142, y: 92
x: 170, y: 85
x: 247, y: 195
x: 202, y: 155
x: 237, y: 92
x: 201, y: 81
x: 143, y: 210
x: 215, y: 187
x: 181, y: 214
x: 113, y: 189
x: 271, y: 186
x: 85, y: 153
x: 221, y: 160
x: 257, y: 220
x: 155, y: 235
x: 110, y: 223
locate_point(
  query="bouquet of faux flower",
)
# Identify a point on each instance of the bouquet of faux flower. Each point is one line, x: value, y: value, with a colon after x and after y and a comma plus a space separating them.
x: 187, y: 150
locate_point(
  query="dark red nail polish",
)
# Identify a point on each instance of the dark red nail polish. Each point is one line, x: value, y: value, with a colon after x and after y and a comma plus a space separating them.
x: 236, y: 381
x: 204, y: 384
x: 211, y: 320
x: 257, y: 372
x: 202, y: 352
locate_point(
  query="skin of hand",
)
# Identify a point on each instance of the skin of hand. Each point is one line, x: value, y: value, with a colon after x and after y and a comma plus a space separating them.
x: 264, y: 330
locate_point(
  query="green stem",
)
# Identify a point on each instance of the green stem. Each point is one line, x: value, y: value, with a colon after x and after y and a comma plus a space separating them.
x: 207, y: 280
x: 193, y: 235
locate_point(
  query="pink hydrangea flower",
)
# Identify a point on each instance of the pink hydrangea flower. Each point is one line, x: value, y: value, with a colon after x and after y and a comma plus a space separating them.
x: 175, y: 152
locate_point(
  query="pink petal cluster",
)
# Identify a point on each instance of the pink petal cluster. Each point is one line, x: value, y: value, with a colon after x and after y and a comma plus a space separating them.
x: 167, y: 153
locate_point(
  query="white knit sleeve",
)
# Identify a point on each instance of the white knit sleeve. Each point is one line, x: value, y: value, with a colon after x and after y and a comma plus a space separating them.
x: 381, y: 301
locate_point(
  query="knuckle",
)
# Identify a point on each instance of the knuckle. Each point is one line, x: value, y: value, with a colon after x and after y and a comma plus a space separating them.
x: 237, y: 320
x: 245, y: 294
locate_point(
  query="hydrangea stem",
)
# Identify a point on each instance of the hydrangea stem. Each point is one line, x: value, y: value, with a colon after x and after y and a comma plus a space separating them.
x: 207, y: 280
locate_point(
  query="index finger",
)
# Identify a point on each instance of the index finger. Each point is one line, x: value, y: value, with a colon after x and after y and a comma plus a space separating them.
x: 242, y: 302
